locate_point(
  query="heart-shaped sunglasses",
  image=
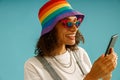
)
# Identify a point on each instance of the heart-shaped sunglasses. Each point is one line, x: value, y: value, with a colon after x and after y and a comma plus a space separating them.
x: 69, y: 24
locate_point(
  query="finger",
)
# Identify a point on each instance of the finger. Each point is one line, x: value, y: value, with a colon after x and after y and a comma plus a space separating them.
x: 105, y: 61
x: 113, y: 56
x: 111, y: 50
x: 112, y: 53
x: 109, y: 60
x: 99, y: 59
x: 111, y: 66
x: 109, y: 63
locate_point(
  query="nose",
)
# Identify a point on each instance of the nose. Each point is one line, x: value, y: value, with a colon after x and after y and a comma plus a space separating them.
x: 73, y: 28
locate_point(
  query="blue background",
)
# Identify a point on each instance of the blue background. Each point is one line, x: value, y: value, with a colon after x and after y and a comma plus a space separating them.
x: 20, y: 30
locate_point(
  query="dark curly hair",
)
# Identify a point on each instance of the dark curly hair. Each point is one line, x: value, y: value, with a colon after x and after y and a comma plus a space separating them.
x: 48, y: 43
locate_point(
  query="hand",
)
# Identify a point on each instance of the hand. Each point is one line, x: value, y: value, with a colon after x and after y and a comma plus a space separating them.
x: 107, y: 77
x: 103, y: 66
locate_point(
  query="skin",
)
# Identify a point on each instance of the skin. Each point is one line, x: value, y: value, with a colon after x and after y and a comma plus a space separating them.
x: 102, y: 67
x: 66, y: 36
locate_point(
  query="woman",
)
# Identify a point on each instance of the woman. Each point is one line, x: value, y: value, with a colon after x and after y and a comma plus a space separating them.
x: 58, y: 48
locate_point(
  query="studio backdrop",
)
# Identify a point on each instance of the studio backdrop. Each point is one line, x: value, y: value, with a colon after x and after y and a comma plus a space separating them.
x: 20, y: 29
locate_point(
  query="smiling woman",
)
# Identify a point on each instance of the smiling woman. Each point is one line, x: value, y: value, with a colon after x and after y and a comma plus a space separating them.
x: 20, y: 30
x: 60, y: 37
x: 67, y: 31
x: 58, y: 55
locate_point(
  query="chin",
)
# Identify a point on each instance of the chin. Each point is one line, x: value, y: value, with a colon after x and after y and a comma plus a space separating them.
x: 72, y: 43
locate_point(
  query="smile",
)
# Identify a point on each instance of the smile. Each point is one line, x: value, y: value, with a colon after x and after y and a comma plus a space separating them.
x: 71, y: 36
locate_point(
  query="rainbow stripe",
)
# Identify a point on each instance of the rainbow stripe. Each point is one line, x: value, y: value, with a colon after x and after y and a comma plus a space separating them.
x: 53, y: 11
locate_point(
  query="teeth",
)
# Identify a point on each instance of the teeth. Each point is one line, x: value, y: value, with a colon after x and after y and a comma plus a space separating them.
x: 71, y: 35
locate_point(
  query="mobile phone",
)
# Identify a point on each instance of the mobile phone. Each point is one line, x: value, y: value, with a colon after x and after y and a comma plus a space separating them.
x: 111, y: 43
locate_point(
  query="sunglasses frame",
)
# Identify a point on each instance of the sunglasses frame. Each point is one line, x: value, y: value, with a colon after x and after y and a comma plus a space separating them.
x: 66, y: 23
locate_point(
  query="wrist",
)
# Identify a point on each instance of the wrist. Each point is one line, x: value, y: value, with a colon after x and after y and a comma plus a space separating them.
x: 90, y: 76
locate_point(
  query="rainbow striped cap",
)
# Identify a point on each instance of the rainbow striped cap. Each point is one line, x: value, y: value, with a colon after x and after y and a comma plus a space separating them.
x: 53, y: 11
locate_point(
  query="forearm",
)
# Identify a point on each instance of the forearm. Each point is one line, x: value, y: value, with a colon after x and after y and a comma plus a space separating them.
x: 90, y: 77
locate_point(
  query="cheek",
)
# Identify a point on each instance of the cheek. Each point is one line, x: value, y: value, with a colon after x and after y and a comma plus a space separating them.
x: 61, y: 31
x: 61, y: 36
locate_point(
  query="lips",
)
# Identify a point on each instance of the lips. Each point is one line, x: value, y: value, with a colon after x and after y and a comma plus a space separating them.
x: 71, y: 36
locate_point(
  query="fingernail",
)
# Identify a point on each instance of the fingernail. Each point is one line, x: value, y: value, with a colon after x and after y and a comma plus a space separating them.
x: 110, y: 50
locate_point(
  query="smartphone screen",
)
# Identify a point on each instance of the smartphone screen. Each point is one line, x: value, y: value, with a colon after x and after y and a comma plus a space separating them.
x: 111, y: 43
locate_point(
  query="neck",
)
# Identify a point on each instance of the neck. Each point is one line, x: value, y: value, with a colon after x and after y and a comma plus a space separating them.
x: 59, y: 50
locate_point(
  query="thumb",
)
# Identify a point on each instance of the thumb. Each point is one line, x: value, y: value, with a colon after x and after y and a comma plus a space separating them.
x: 101, y: 56
x: 111, y: 50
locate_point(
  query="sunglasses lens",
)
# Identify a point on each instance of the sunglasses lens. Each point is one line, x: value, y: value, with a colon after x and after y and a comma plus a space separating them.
x: 78, y: 23
x: 69, y: 24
